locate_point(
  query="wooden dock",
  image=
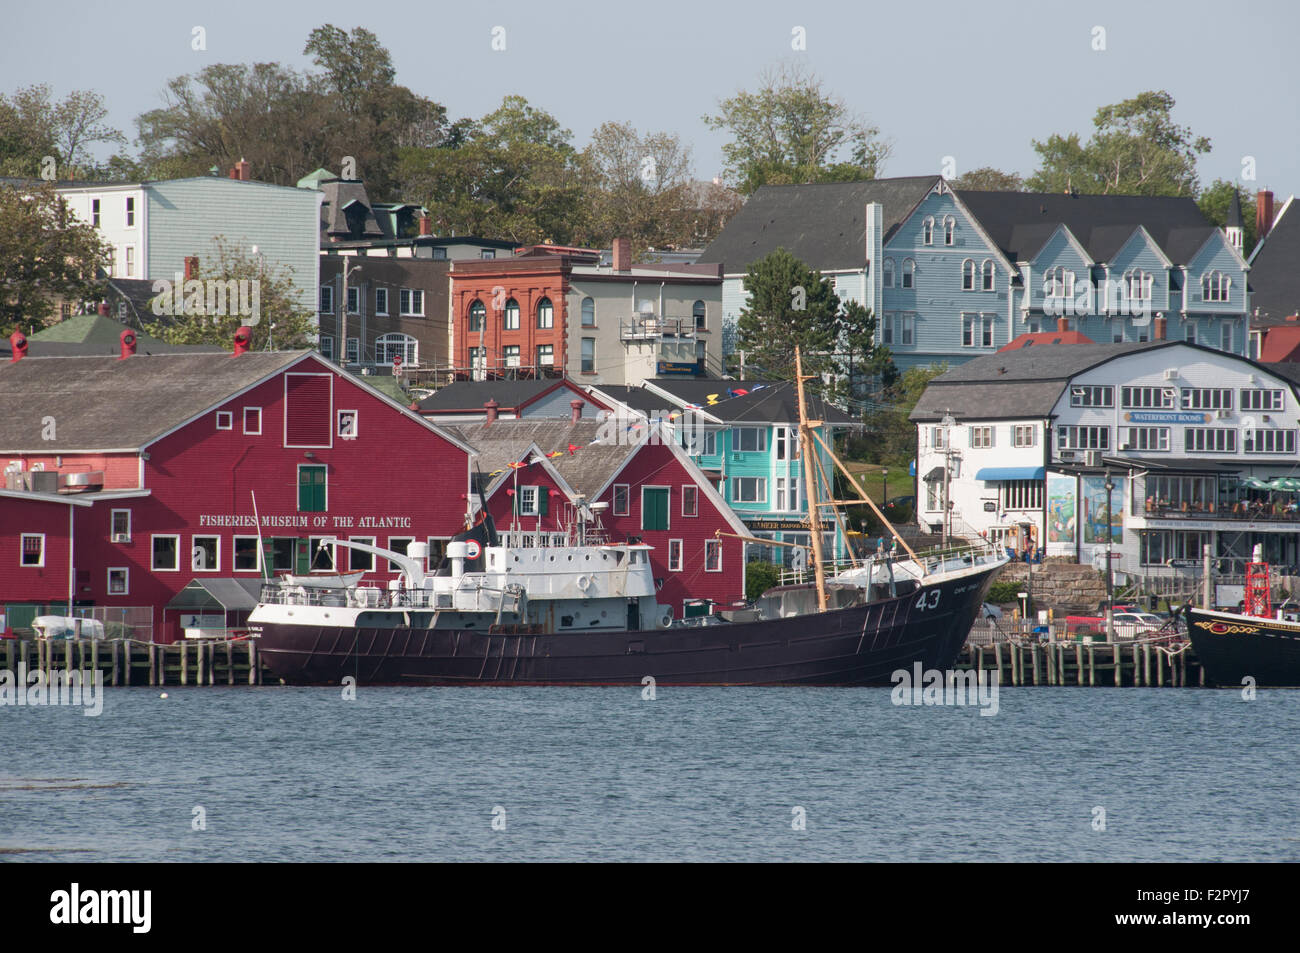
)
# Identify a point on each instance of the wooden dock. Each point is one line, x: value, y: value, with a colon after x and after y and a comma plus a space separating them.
x: 127, y: 662
x: 1122, y: 664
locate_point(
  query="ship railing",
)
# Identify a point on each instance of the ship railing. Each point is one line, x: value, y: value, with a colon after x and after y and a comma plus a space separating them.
x: 937, y: 560
x: 468, y: 596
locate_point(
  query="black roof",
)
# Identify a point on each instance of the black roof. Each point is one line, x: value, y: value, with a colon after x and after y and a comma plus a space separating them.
x: 821, y: 224
x: 1021, y: 222
x: 771, y: 402
x: 1275, y: 271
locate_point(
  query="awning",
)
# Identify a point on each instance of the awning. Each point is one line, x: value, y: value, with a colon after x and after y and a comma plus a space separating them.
x: 1011, y: 473
x: 934, y: 476
x: 217, y: 595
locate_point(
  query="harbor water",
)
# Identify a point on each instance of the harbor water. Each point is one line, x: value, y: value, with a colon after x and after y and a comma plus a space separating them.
x: 431, y: 774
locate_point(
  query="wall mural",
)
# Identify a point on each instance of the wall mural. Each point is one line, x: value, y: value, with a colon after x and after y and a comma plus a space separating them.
x: 1094, y: 510
x: 1060, y: 509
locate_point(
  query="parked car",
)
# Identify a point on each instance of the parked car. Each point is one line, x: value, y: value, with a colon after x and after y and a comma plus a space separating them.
x: 1131, y: 625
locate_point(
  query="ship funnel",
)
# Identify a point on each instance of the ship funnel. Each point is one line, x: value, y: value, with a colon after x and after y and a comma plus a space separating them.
x: 457, y: 552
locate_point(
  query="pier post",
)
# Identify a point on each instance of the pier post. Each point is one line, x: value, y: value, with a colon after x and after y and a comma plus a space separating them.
x: 1146, y: 664
x: 1118, y: 655
x: 9, y: 654
x: 253, y: 678
x: 199, y: 658
x: 1160, y: 669
x: 153, y: 665
x: 230, y: 663
x: 185, y: 664
x: 126, y: 661
x: 997, y: 660
x: 22, y: 653
x: 113, y: 652
x: 1078, y: 660
x: 1092, y: 664
x: 1137, y: 669
x: 67, y: 658
x: 94, y: 657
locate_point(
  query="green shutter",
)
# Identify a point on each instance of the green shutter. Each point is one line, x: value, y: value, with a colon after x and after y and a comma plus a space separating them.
x: 303, y: 549
x: 543, y: 501
x: 311, y: 489
x: 654, y: 508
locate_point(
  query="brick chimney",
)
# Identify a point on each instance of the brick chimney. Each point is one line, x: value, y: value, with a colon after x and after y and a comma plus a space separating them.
x: 1263, y: 214
x: 622, y: 254
x: 576, y: 406
x: 127, y: 339
x: 18, y: 342
x: 491, y: 407
x: 1158, y: 333
x: 191, y: 266
x: 426, y: 226
x: 243, y: 338
x: 242, y: 171
x: 1062, y: 324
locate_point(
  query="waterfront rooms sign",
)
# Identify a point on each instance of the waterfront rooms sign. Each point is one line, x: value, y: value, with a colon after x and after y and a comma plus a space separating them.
x: 305, y: 521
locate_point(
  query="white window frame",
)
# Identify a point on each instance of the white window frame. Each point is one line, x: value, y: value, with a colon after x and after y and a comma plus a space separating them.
x: 393, y: 567
x: 668, y: 510
x: 1018, y: 432
x: 327, y: 347
x: 949, y: 229
x: 968, y: 275
x: 550, y: 314
x: 258, y: 431
x: 887, y: 273
x: 128, y: 259
x: 94, y: 213
x: 374, y: 560
x: 311, y: 555
x: 760, y: 439
x: 129, y: 212
x: 716, y: 545
x: 194, y: 545
x: 338, y: 423
x: 981, y: 437
x: 675, y: 550
x: 909, y: 274
x: 353, y: 351
x: 112, y: 518
x: 927, y: 230
x: 257, y: 549
x: 988, y: 276
x: 550, y: 357
x: 326, y: 303
x: 354, y: 299
x: 906, y: 336
x: 529, y: 492
x: 405, y: 302
x: 153, y: 552
x: 126, y: 581
x: 695, y: 497
x: 759, y: 487
x: 510, y: 314
x: 229, y: 416
x: 22, y: 550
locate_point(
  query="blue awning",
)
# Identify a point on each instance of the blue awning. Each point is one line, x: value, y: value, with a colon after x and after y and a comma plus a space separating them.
x: 1011, y: 473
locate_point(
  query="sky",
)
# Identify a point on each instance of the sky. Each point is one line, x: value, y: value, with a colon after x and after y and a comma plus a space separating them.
x: 976, y: 82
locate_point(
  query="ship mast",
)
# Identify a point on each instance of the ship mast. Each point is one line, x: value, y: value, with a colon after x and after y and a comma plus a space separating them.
x: 810, y: 484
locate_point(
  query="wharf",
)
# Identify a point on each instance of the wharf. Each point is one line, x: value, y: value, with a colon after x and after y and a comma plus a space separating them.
x: 1139, y: 664
x: 129, y: 662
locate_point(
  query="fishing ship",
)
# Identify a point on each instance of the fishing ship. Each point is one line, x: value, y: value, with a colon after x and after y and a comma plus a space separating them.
x: 582, y: 610
x: 1257, y: 643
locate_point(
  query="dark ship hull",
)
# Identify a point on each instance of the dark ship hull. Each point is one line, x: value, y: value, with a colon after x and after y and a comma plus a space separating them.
x: 1234, y: 647
x: 858, y: 645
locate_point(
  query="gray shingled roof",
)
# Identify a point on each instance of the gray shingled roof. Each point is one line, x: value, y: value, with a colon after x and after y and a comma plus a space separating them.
x: 992, y: 401
x: 822, y: 224
x: 1101, y: 223
x: 507, y: 441
x: 1045, y: 362
x: 103, y: 403
x: 470, y: 396
x: 1275, y: 271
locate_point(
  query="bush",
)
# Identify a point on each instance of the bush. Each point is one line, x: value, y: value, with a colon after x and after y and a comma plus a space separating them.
x: 1000, y: 593
x: 759, y: 577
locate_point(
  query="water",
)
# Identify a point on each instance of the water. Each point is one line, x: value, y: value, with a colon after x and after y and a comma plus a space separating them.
x: 296, y: 774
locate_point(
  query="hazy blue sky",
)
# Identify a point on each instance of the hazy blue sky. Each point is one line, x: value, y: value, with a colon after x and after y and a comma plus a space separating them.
x: 976, y: 81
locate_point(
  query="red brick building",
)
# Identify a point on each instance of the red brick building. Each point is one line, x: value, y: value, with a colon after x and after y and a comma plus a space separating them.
x: 128, y: 477
x: 653, y: 491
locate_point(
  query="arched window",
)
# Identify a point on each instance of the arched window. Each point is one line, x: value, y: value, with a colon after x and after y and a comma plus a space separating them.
x: 1216, y: 286
x: 927, y: 230
x: 909, y: 273
x: 968, y: 275
x: 511, y: 321
x: 698, y: 312
x: 477, y: 316
x: 403, y: 345
x: 588, y: 313
x: 887, y: 273
x: 949, y: 229
x: 988, y: 274
x: 1137, y: 285
x: 545, y: 314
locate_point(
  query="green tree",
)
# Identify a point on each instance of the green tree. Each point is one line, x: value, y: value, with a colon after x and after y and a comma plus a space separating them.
x: 791, y: 130
x: 789, y: 305
x: 760, y: 576
x: 1136, y: 148
x: 280, y: 320
x: 988, y: 179
x: 49, y: 256
x: 638, y: 187
x: 861, y: 359
x: 33, y: 126
x: 890, y: 434
x: 1215, y: 201
x: 513, y: 174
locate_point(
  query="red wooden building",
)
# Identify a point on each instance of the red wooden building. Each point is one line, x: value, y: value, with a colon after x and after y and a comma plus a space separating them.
x: 653, y: 490
x: 128, y: 477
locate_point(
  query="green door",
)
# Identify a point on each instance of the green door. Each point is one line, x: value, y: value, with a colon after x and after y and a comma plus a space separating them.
x: 654, y: 507
x: 311, y: 489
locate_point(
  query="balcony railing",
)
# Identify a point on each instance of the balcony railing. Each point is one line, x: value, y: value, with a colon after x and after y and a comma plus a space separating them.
x: 1240, y: 510
x: 646, y: 327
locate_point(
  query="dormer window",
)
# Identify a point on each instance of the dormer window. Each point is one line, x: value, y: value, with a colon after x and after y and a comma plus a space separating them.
x: 927, y: 231
x: 1216, y: 286
x: 949, y: 229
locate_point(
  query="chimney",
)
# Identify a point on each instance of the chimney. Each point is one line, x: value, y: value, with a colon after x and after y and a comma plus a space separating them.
x: 18, y: 341
x: 243, y: 338
x: 576, y: 406
x: 1062, y: 325
x: 622, y: 254
x: 426, y: 226
x: 491, y: 407
x: 127, y: 338
x: 1263, y: 214
x: 241, y: 171
x: 1158, y: 334
x: 191, y: 266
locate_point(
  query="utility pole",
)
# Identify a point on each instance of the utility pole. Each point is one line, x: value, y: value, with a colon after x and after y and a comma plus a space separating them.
x: 343, y: 336
x: 948, y: 423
